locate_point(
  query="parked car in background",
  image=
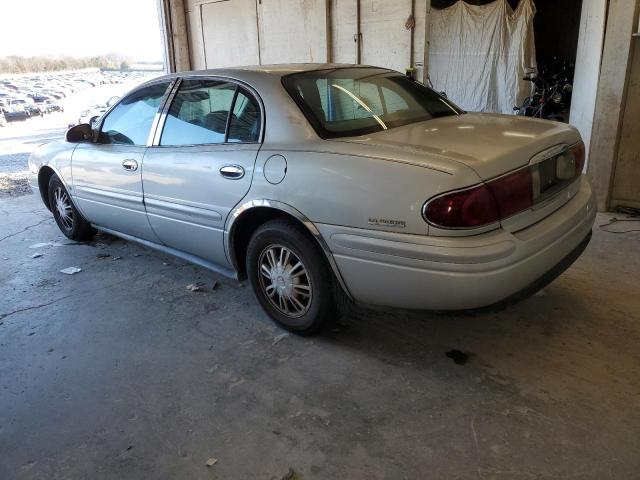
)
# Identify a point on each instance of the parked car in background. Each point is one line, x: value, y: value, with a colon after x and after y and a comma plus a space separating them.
x: 34, y: 110
x: 96, y: 111
x: 323, y: 183
x: 51, y: 107
x: 15, y: 110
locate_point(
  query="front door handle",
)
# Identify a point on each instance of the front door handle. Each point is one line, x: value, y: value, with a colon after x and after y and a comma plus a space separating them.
x: 130, y: 165
x: 232, y: 172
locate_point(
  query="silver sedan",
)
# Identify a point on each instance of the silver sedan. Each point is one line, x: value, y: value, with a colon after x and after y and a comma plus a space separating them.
x: 325, y: 184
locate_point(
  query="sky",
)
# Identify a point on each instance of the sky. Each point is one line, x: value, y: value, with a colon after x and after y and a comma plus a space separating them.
x: 80, y: 28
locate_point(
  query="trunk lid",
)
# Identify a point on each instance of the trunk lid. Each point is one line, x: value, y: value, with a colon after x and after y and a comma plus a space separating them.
x: 490, y: 144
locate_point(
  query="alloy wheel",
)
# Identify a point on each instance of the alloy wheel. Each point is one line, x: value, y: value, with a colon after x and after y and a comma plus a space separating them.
x: 63, y: 207
x: 285, y: 281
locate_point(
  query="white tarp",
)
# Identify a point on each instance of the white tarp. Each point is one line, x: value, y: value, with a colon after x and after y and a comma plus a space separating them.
x: 478, y: 54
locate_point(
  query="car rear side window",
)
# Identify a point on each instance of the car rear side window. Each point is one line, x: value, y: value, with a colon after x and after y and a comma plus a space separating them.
x: 244, y: 125
x: 200, y: 114
x: 130, y: 121
x: 357, y: 101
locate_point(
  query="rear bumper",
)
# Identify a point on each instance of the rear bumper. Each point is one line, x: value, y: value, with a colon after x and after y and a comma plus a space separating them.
x: 456, y: 273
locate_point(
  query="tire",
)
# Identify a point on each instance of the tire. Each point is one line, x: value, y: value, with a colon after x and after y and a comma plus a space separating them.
x: 68, y: 218
x: 288, y: 271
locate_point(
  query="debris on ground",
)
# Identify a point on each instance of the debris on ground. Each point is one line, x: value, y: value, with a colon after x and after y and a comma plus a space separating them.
x: 459, y: 358
x: 211, y: 462
x: 36, y: 255
x: 540, y: 293
x: 214, y: 285
x: 14, y: 184
x: 290, y: 475
x: 71, y: 270
x: 41, y: 245
x: 116, y: 258
x: 196, y: 287
x: 279, y: 338
x: 102, y: 255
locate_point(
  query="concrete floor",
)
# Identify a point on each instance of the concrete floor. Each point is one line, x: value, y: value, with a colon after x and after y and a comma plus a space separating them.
x: 121, y: 372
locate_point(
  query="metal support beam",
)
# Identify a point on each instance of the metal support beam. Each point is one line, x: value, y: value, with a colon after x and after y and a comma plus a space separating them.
x: 175, y: 35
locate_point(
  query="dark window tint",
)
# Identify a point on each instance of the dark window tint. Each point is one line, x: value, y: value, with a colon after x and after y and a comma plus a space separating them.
x: 130, y: 121
x: 357, y: 101
x: 199, y: 113
x: 245, y: 121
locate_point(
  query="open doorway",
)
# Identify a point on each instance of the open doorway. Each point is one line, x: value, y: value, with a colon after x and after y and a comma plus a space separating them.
x: 556, y: 29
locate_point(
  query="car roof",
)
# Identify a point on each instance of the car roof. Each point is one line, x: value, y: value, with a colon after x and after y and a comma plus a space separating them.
x: 251, y: 71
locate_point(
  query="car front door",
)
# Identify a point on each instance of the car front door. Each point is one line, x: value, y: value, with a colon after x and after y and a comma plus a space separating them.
x: 107, y: 182
x: 201, y: 164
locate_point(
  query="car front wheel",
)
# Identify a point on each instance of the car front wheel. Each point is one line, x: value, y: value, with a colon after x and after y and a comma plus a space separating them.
x: 291, y: 279
x: 68, y: 218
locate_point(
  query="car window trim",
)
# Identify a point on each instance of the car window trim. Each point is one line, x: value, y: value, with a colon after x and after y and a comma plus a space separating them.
x: 230, y: 115
x: 103, y: 117
x: 239, y: 84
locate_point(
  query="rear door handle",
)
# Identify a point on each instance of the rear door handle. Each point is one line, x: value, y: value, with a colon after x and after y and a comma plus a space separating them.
x: 232, y: 172
x: 130, y: 165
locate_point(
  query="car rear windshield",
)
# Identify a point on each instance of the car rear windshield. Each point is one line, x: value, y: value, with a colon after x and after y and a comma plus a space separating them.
x: 345, y: 102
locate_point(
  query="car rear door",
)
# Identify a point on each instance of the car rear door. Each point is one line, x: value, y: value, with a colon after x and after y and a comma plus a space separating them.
x: 201, y: 163
x: 107, y: 182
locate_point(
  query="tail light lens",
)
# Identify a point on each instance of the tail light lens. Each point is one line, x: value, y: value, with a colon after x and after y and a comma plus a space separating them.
x: 484, y: 204
x: 505, y: 196
x: 464, y: 209
x: 578, y: 157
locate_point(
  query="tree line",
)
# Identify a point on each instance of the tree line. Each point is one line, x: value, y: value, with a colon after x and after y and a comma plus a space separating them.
x: 40, y: 63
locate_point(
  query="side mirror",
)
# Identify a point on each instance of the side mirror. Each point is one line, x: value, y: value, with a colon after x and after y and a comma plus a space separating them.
x: 80, y: 133
x: 93, y: 119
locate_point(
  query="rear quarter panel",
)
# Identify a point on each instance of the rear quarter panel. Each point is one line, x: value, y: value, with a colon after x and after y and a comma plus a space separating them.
x: 356, y: 191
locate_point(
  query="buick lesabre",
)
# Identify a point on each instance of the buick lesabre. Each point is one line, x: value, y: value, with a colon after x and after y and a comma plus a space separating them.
x: 325, y: 184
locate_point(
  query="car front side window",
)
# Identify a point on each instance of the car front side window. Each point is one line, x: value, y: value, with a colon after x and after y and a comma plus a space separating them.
x: 130, y: 121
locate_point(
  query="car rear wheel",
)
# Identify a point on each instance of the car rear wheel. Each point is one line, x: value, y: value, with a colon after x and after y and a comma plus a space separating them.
x: 291, y: 279
x: 69, y: 220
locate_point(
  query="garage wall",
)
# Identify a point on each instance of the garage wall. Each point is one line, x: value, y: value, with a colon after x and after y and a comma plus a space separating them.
x: 626, y: 182
x: 587, y: 70
x: 385, y: 40
x: 237, y: 42
x: 224, y: 33
x: 292, y: 31
x: 244, y: 32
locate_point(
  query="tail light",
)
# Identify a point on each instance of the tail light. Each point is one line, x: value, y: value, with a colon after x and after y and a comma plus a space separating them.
x: 463, y: 209
x: 578, y: 157
x: 484, y: 204
x: 502, y: 197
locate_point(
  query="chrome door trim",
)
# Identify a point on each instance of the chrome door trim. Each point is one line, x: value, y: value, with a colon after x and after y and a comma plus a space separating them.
x: 240, y: 209
x: 156, y: 118
x: 154, y: 140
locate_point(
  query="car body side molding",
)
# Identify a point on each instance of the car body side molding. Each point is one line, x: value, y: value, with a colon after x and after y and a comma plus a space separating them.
x: 227, y: 272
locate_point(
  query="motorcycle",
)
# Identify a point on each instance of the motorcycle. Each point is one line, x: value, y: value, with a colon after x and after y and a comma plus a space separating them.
x: 551, y: 98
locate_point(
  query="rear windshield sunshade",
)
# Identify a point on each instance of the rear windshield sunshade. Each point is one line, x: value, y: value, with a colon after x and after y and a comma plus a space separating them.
x: 344, y: 102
